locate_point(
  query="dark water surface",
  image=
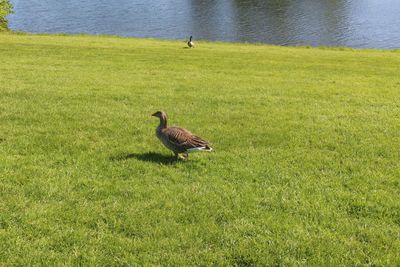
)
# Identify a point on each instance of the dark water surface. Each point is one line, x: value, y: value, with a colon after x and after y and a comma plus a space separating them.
x: 353, y: 23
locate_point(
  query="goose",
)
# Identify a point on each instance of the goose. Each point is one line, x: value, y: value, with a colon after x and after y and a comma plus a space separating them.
x: 190, y: 43
x: 177, y: 139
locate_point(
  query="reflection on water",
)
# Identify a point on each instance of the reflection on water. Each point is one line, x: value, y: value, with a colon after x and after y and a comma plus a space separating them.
x: 354, y: 23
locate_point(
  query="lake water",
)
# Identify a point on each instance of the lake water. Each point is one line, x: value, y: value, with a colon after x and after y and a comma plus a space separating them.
x: 352, y: 23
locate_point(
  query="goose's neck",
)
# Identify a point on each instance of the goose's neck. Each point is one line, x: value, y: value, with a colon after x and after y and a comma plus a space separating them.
x: 163, y: 122
x: 190, y: 39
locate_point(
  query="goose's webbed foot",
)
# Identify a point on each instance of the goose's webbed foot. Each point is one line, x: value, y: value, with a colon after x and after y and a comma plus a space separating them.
x: 183, y: 156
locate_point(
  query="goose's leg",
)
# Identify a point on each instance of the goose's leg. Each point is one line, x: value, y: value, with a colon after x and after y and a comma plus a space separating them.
x: 180, y: 157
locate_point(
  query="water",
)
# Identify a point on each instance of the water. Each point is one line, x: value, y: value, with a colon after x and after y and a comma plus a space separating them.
x: 352, y: 23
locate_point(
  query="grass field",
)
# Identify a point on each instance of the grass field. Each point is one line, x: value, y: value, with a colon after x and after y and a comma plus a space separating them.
x: 305, y: 168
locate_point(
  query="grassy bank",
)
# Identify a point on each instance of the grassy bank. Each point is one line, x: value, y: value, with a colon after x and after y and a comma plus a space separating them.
x: 305, y: 168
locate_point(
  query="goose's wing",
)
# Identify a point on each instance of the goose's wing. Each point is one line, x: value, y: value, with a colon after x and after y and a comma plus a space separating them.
x: 184, y: 138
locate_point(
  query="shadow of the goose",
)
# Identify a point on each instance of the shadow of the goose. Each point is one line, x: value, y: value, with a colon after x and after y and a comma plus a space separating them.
x: 148, y: 157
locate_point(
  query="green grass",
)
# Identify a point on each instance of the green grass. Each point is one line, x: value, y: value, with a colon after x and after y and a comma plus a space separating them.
x: 305, y: 168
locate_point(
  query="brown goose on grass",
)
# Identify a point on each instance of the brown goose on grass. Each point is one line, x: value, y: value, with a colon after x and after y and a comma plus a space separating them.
x: 177, y: 139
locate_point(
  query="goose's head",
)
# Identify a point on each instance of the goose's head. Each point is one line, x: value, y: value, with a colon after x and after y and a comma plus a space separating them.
x: 160, y: 114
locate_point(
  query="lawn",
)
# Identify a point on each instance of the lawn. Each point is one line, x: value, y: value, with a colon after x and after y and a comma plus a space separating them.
x: 305, y: 168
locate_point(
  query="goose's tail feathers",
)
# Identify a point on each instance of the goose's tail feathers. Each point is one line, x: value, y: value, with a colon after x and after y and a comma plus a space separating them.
x: 203, y: 148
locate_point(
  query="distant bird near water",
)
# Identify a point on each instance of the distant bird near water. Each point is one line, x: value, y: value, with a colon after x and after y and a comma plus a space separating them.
x: 190, y: 43
x: 177, y: 139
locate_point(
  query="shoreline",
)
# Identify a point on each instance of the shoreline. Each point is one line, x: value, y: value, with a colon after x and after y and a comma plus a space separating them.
x: 333, y: 48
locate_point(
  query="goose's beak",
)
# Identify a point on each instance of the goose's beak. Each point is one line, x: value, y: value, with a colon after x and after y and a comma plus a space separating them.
x: 154, y: 114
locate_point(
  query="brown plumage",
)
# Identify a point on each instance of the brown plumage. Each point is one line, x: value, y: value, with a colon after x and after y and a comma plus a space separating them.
x: 177, y: 139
